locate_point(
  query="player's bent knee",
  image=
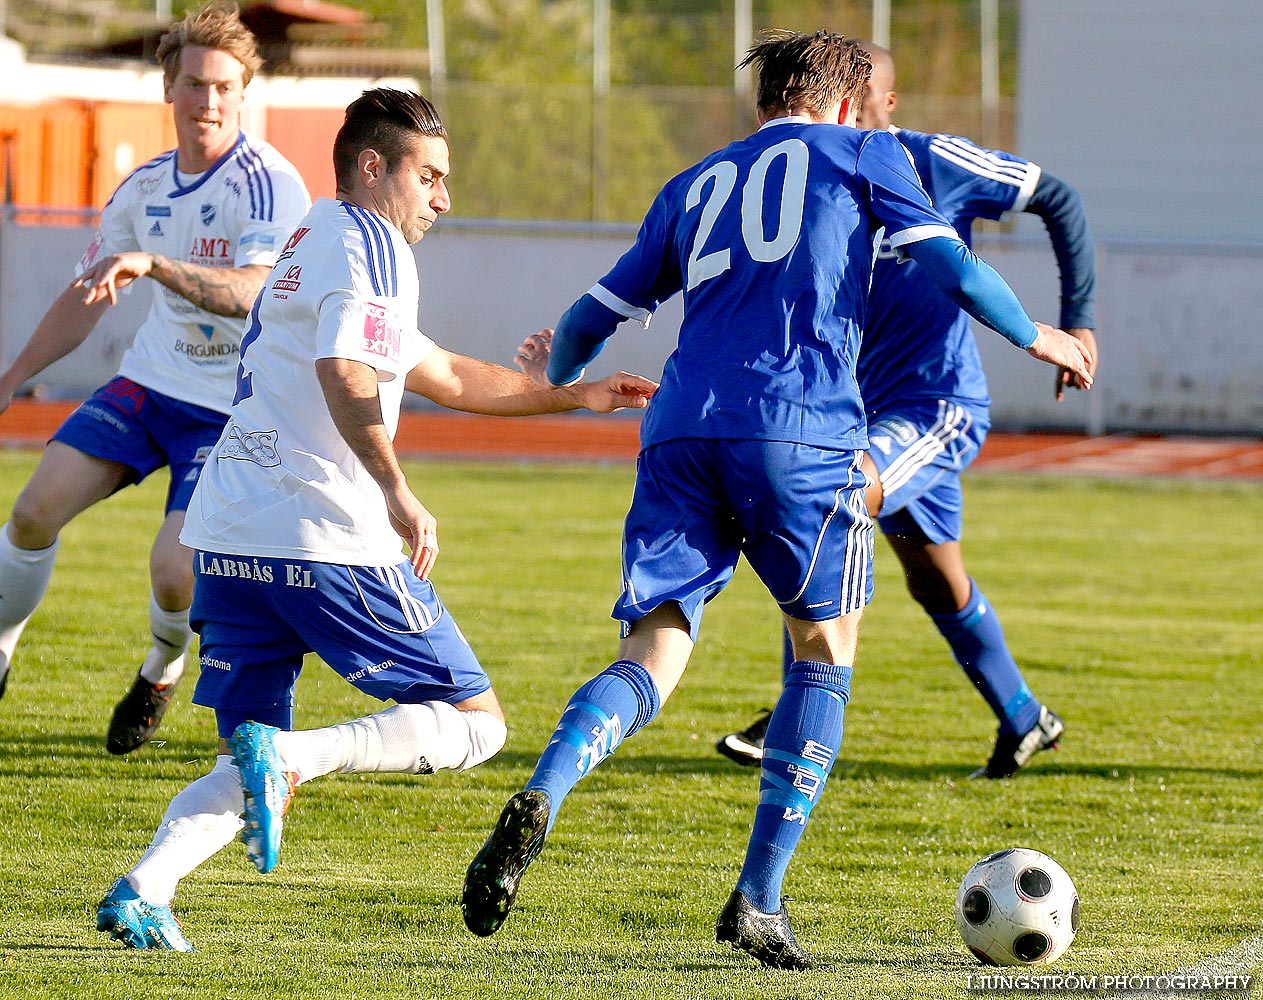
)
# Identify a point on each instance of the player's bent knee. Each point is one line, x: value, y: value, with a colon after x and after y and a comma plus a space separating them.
x: 32, y: 525
x: 467, y: 737
x: 441, y: 737
x: 487, y: 735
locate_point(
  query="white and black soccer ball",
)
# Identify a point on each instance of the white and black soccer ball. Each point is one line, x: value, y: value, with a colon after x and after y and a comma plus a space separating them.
x: 1017, y: 907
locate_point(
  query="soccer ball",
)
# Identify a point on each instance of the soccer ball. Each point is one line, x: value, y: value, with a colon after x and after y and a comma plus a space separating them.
x: 1017, y: 907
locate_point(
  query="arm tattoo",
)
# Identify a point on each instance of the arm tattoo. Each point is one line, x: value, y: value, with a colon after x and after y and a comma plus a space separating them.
x: 225, y: 291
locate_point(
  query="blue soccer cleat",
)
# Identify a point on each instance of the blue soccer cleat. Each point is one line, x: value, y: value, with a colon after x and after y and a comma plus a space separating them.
x: 268, y: 788
x: 138, y: 924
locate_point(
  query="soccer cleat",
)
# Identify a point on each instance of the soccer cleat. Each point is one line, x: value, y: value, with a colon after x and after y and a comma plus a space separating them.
x: 137, y: 716
x: 491, y: 883
x: 1012, y: 753
x: 746, y: 747
x: 4, y: 681
x: 138, y: 924
x: 766, y: 937
x: 268, y: 789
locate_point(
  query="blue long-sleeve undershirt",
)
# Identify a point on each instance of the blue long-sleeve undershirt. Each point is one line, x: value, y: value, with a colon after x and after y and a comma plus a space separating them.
x: 974, y: 285
x: 579, y: 336
x: 1061, y: 208
x: 968, y: 281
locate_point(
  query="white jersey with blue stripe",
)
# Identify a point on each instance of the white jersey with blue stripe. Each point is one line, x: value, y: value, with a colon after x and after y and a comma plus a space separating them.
x: 918, y: 344
x: 771, y: 240
x: 282, y: 480
x: 238, y: 212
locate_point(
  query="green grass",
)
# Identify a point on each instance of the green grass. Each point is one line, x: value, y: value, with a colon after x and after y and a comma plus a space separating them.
x: 1135, y: 608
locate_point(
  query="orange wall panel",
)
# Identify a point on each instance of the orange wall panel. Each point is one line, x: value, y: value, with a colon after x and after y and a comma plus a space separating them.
x: 304, y: 136
x: 22, y: 151
x: 126, y: 135
x: 67, y: 155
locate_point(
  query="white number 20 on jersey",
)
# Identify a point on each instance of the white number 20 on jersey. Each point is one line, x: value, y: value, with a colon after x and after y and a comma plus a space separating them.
x: 753, y: 195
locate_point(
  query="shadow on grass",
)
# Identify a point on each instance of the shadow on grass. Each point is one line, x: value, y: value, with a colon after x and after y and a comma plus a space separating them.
x: 874, y: 770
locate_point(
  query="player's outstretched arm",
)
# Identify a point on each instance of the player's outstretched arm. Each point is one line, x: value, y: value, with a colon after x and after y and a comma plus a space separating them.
x: 1061, y: 208
x: 532, y: 357
x: 976, y: 287
x: 473, y: 386
x: 225, y: 291
x: 350, y: 391
x: 64, y: 327
x: 615, y: 392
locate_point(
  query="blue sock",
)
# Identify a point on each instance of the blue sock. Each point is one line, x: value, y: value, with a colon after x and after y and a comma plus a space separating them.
x: 977, y: 642
x: 605, y: 711
x: 802, y: 742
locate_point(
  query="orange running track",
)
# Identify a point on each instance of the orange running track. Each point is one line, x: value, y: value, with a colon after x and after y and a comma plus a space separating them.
x: 28, y: 424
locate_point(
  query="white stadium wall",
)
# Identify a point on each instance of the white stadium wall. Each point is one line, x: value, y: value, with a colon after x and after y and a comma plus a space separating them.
x: 1180, y: 351
x: 1153, y: 110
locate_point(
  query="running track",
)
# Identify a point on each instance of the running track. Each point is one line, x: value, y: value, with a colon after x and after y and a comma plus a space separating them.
x: 588, y: 438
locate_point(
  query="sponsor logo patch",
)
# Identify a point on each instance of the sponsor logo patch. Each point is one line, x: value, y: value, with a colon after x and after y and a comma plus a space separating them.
x: 381, y: 335
x: 208, y: 214
x: 148, y: 185
x: 155, y: 229
x: 291, y: 281
x: 258, y: 447
x: 158, y: 211
x: 94, y: 248
x: 293, y: 241
x: 212, y: 250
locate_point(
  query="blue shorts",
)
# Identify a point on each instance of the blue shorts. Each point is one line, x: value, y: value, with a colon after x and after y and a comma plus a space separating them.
x: 920, y: 453
x: 380, y: 627
x: 795, y: 512
x: 144, y: 430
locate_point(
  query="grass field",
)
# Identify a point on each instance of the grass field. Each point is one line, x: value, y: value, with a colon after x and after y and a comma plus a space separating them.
x: 1135, y: 607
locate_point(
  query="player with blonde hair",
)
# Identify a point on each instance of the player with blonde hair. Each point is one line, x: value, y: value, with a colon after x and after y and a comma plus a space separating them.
x: 204, y: 222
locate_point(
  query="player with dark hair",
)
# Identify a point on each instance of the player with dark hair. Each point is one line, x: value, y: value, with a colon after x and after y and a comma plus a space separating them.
x: 205, y: 221
x: 926, y: 398
x: 751, y: 447
x: 297, y: 519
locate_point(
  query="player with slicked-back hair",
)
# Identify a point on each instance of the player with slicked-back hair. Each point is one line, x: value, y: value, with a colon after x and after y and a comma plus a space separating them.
x: 297, y: 521
x: 385, y: 120
x: 753, y: 446
x: 205, y: 220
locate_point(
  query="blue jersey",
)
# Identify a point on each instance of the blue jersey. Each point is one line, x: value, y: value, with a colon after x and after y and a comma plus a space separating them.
x: 771, y: 240
x: 918, y: 344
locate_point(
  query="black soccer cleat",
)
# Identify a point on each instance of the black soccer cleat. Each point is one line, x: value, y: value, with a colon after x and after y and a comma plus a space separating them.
x: 746, y: 747
x: 4, y: 682
x: 766, y: 937
x: 1012, y: 753
x: 137, y: 716
x: 491, y: 883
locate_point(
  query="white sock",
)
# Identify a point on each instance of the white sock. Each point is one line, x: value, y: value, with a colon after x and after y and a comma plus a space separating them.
x: 200, y: 821
x: 24, y: 576
x: 164, y: 663
x: 419, y: 739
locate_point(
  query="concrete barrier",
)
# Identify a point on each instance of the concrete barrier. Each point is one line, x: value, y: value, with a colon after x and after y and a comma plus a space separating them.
x: 1178, y: 324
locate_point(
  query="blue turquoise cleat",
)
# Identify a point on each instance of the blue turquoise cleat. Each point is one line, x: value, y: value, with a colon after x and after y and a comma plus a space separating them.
x: 138, y: 924
x: 268, y: 789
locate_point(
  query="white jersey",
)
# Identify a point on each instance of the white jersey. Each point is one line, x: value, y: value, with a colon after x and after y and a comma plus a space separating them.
x: 238, y: 212
x: 282, y: 481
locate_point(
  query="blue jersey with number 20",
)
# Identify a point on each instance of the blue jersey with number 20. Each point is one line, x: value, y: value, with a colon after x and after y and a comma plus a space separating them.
x: 771, y: 240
